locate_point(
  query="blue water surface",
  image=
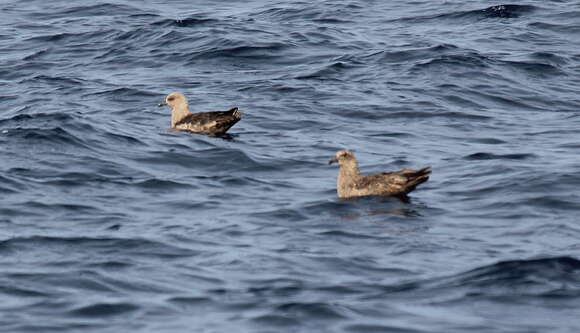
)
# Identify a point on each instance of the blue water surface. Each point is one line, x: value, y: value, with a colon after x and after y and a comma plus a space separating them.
x: 109, y: 222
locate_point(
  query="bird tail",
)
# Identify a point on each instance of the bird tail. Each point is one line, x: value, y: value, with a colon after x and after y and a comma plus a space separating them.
x: 416, y: 177
x: 234, y: 112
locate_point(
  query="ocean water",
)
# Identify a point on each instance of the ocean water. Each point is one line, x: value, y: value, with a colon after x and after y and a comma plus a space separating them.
x: 109, y: 222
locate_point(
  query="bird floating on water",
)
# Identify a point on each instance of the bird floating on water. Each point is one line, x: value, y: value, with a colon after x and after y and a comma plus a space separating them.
x: 350, y: 183
x: 213, y: 122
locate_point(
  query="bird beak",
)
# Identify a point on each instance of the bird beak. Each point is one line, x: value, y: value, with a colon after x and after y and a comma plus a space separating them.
x: 162, y: 104
x: 334, y: 160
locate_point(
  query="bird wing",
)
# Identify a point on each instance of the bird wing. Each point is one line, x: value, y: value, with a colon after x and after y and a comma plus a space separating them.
x: 391, y: 182
x: 398, y: 182
x: 213, y: 121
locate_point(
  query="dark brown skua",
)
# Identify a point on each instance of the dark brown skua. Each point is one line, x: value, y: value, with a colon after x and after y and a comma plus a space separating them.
x: 350, y: 183
x: 212, y: 123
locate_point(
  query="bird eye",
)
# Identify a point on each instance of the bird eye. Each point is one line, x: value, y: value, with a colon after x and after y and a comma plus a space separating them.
x: 171, y: 98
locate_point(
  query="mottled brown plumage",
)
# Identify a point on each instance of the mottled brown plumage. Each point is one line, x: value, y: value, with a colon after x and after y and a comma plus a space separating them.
x: 213, y: 122
x: 350, y: 183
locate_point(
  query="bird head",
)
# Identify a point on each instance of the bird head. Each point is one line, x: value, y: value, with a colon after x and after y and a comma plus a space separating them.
x: 173, y: 100
x: 342, y: 156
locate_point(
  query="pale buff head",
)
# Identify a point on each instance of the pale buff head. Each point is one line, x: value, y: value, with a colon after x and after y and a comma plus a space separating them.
x: 343, y: 157
x: 179, y: 107
x: 175, y: 101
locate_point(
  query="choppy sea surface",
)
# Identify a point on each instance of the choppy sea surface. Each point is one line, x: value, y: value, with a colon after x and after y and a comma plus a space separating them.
x: 109, y: 222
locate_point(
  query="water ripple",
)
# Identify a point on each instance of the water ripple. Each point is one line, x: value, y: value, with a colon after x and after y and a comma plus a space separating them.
x: 110, y: 222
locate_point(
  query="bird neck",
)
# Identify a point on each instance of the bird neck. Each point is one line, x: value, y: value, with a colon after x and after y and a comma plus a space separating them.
x: 179, y: 112
x: 347, y: 176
